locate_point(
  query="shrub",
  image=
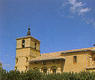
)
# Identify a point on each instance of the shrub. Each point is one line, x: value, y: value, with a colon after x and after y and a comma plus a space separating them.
x: 37, y: 75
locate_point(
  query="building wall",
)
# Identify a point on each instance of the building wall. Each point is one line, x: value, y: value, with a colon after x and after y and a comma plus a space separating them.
x: 80, y: 65
x: 68, y: 65
x: 22, y: 55
x: 59, y: 64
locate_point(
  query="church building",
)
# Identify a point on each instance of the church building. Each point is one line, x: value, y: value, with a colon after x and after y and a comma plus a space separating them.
x: 28, y: 57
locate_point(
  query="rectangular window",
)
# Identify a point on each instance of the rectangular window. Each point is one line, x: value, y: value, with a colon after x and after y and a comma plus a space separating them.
x: 74, y: 59
x: 35, y: 45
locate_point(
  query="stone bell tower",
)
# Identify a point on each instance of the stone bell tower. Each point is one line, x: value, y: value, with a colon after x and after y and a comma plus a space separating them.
x: 26, y: 48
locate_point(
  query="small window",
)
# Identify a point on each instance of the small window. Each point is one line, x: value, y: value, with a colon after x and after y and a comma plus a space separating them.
x: 26, y: 59
x: 45, y: 70
x: 74, y: 59
x: 35, y: 45
x: 53, y: 68
x: 16, y: 60
x: 93, y: 58
x: 23, y: 43
x: 44, y: 63
x: 54, y: 71
x: 26, y: 68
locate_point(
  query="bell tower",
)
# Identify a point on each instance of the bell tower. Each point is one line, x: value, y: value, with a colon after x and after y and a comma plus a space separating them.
x: 26, y: 48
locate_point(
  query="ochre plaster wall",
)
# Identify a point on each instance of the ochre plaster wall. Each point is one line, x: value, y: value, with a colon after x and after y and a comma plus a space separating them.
x: 82, y: 62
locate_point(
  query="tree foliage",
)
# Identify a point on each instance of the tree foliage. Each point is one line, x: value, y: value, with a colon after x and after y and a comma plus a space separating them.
x: 37, y: 75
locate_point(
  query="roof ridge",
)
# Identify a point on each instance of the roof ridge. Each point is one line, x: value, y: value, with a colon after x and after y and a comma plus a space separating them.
x: 66, y: 50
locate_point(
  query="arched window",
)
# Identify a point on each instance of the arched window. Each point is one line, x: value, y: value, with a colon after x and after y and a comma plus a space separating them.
x: 23, y: 43
x: 53, y: 68
x: 44, y: 69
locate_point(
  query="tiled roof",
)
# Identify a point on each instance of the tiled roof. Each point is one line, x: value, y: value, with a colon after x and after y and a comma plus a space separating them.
x: 78, y: 50
x: 48, y: 56
x: 57, y: 55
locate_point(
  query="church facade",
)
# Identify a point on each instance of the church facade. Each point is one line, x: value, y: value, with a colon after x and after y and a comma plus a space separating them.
x: 28, y: 57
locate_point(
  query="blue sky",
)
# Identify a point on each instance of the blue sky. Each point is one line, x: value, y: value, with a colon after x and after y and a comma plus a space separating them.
x: 58, y: 24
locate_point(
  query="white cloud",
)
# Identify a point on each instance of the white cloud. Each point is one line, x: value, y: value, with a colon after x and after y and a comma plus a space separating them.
x: 84, y: 10
x: 78, y: 7
x: 7, y: 65
x: 75, y: 5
